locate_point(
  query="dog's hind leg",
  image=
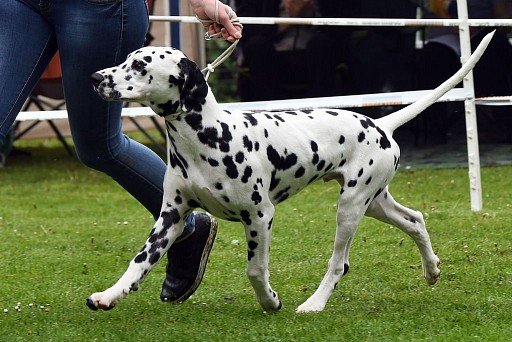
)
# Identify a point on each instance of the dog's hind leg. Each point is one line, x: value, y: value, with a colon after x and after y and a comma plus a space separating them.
x: 386, y: 209
x: 348, y: 217
x: 258, y: 231
x: 167, y: 228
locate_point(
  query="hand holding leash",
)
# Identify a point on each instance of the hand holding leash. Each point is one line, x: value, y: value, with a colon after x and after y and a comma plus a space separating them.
x: 221, y: 22
x: 218, y: 19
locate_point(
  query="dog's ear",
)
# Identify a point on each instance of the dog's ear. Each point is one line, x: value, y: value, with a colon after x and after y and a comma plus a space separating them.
x: 194, y: 88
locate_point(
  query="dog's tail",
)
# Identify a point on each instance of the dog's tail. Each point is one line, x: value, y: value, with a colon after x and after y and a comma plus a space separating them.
x: 398, y: 118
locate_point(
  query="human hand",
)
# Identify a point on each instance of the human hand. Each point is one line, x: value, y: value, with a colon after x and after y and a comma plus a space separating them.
x: 205, y: 10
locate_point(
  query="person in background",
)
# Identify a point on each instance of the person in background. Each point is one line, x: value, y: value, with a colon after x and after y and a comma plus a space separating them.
x: 289, y: 61
x: 92, y: 35
x: 440, y: 58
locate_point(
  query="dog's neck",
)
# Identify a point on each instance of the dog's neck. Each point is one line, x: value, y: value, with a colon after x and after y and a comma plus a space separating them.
x: 210, y: 106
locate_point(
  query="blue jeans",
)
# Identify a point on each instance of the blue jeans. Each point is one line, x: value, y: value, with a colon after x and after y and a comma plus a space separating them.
x: 90, y: 35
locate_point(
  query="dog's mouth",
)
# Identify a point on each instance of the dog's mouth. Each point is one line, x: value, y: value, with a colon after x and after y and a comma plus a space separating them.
x: 112, y: 95
x: 103, y: 88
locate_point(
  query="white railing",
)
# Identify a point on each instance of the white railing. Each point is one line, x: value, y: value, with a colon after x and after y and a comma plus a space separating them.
x: 465, y: 94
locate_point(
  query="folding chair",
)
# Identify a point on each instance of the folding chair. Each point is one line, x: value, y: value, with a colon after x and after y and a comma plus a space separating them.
x: 48, y: 94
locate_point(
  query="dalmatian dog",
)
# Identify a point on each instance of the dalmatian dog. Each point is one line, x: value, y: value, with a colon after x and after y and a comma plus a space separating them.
x: 238, y: 165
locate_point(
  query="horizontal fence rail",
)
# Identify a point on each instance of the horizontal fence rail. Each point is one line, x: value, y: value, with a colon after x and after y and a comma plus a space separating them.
x: 346, y: 21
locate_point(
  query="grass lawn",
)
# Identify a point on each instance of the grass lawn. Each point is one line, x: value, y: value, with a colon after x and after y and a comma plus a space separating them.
x: 67, y: 231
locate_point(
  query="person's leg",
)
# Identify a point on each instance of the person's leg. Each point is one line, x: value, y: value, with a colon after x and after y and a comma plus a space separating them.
x: 26, y: 47
x: 92, y: 35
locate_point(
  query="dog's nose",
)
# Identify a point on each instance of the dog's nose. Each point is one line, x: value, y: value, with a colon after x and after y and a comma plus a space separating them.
x: 97, y: 78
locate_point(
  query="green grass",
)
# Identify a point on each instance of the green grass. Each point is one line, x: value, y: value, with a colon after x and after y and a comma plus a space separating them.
x: 67, y: 232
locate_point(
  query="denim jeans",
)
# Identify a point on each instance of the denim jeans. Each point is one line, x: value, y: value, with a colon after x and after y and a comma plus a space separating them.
x: 90, y: 35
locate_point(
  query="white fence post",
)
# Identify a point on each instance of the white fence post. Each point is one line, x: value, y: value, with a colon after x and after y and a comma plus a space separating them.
x: 475, y: 184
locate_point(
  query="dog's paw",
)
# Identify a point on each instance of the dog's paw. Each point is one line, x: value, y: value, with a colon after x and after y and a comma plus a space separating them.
x: 432, y: 273
x: 100, y: 301
x: 309, y: 306
x: 272, y: 304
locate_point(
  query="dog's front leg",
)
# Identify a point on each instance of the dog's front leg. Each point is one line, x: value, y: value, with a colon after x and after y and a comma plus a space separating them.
x: 258, y: 231
x: 167, y: 228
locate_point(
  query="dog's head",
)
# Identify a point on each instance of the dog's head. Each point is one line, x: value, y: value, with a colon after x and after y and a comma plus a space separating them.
x: 160, y: 77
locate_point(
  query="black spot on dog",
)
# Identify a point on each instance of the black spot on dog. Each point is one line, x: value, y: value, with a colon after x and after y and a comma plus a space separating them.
x: 300, y: 172
x: 247, y: 143
x: 343, y: 161
x: 213, y: 162
x: 252, y: 120
x: 368, y: 180
x: 282, y: 195
x: 231, y: 170
x: 274, y: 181
x: 281, y: 162
x: 320, y: 165
x: 239, y: 157
x: 341, y: 140
x: 226, y: 199
x: 195, y: 121
x: 278, y: 118
x: 170, y: 217
x: 371, y: 162
x: 316, y: 158
x: 410, y: 219
x: 352, y: 183
x: 331, y: 113
x: 384, y: 141
x: 256, y: 197
x: 174, y: 81
x: 168, y: 108
x: 361, y: 137
x: 345, y: 268
x: 254, y: 233
x: 218, y: 186
x: 139, y: 66
x: 252, y: 245
x: 246, y: 217
x: 193, y: 204
x: 153, y: 259
x: 178, y: 200
x: 270, y: 223
x: 260, y: 214
x: 247, y: 174
x: 141, y: 257
x: 250, y: 255
x: 360, y: 173
x: 314, y: 146
x: 148, y: 59
x: 378, y: 193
